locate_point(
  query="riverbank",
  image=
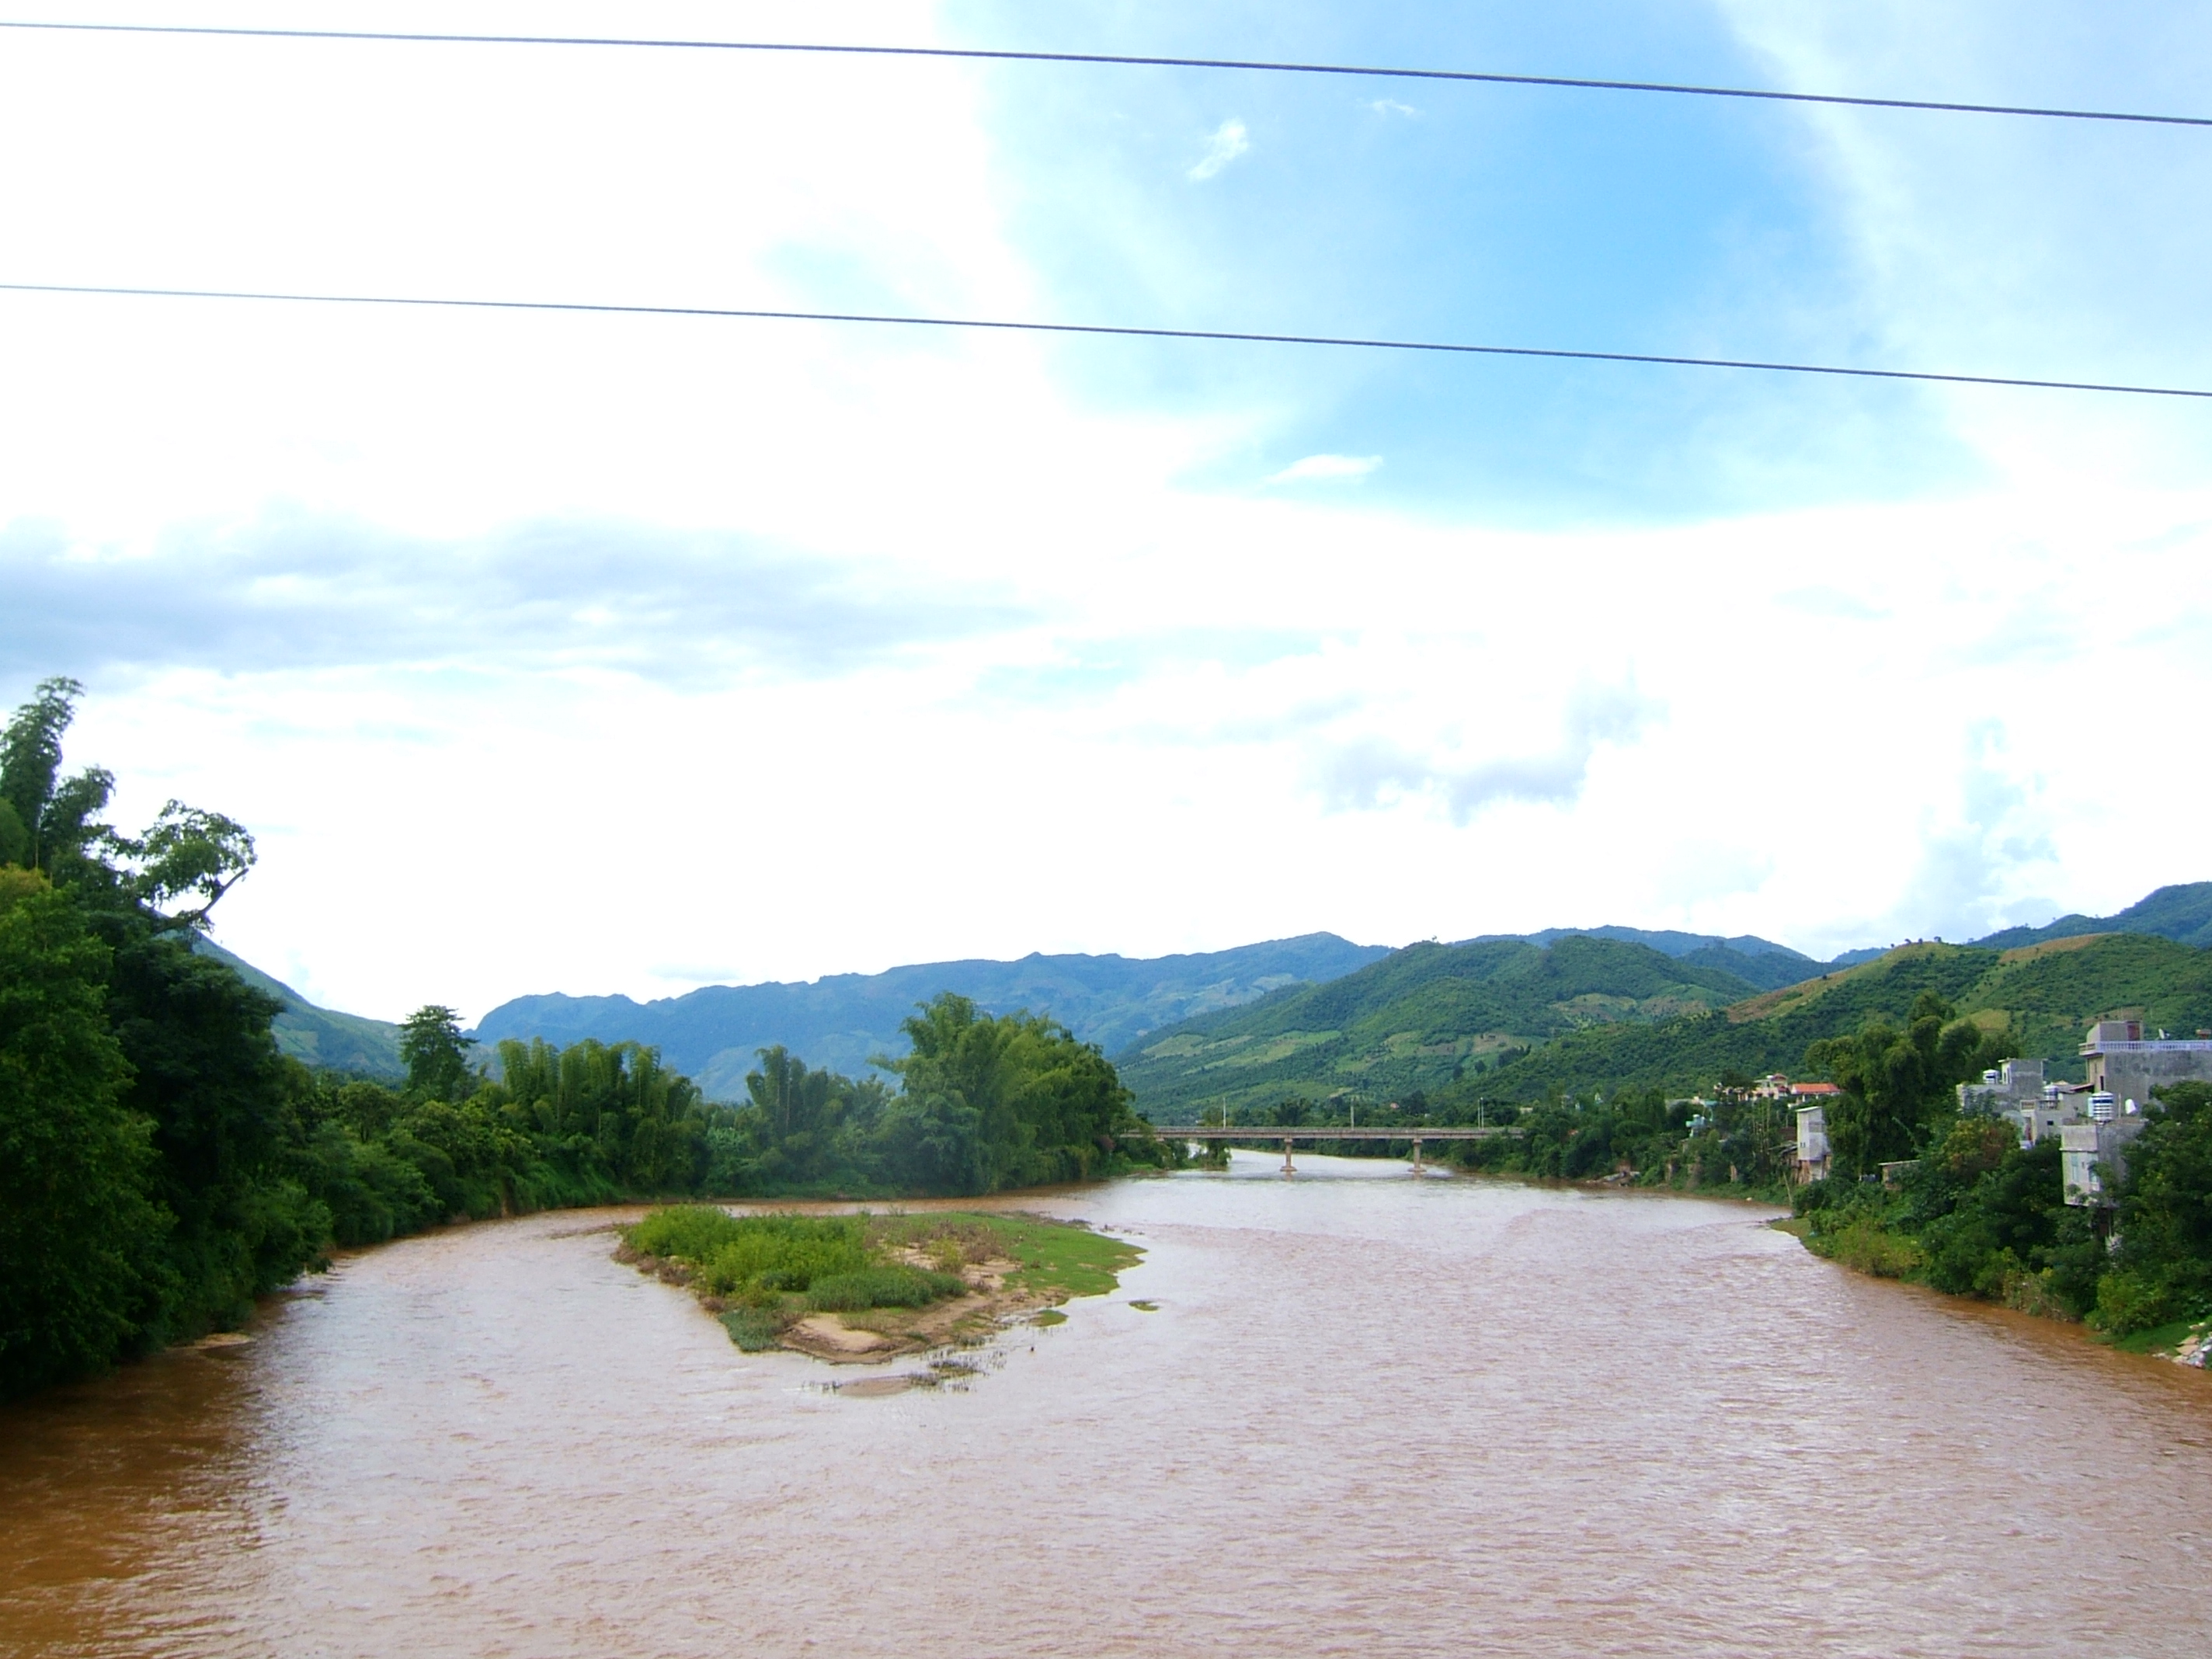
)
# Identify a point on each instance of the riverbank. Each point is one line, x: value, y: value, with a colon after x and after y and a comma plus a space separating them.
x: 864, y: 1288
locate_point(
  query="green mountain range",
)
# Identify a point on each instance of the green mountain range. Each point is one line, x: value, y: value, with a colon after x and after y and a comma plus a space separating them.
x: 843, y: 1020
x: 1604, y: 1009
x: 1316, y: 1015
x: 2181, y: 913
x: 1423, y: 1017
x: 2048, y: 993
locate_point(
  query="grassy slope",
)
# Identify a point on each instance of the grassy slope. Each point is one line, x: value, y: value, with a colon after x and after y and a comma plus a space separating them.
x: 2052, y: 992
x: 1410, y: 1021
x: 2048, y: 992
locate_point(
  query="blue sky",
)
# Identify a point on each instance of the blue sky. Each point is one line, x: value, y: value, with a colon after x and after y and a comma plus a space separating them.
x: 628, y: 654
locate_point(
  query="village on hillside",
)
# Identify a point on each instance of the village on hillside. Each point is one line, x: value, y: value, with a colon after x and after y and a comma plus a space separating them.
x: 2094, y: 1120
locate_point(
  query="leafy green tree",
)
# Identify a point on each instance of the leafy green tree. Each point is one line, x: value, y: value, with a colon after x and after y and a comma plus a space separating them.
x: 50, y: 819
x: 31, y: 758
x: 1041, y: 1106
x: 436, y: 1057
x: 207, y: 1072
x: 2163, y: 1265
x: 1898, y: 1082
x: 187, y: 853
x: 202, y: 1068
x: 80, y: 1241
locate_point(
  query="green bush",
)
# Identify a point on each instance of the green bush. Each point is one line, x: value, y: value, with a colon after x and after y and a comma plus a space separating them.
x: 2129, y: 1301
x: 889, y: 1286
x: 683, y: 1232
x: 745, y: 1255
x: 753, y: 1330
x: 1864, y: 1244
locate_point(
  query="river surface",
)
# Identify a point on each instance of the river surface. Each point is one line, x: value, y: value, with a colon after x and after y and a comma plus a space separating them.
x: 1373, y: 1414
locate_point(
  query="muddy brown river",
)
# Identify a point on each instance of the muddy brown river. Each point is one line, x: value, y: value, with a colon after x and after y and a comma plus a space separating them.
x: 1373, y: 1414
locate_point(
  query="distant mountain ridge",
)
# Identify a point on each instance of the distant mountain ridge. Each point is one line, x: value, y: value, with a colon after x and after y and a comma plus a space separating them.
x: 1424, y: 1018
x: 2182, y: 913
x: 2047, y: 992
x: 318, y: 1036
x: 1457, y: 1021
x: 843, y: 1020
x: 1757, y: 962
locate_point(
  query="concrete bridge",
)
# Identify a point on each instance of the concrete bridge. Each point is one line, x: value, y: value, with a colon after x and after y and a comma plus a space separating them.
x: 1287, y: 1132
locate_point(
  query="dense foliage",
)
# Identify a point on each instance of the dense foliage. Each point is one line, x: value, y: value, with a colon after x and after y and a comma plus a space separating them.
x: 1979, y: 1215
x: 1899, y: 1081
x: 986, y: 1102
x: 162, y: 1162
x: 1421, y: 1019
x: 2045, y: 994
x: 146, y: 1191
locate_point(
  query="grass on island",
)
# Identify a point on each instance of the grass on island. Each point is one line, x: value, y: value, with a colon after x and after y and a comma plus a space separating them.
x: 2159, y: 1338
x: 762, y: 1275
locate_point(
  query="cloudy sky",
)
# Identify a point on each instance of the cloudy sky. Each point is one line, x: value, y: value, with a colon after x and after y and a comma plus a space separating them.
x: 595, y: 653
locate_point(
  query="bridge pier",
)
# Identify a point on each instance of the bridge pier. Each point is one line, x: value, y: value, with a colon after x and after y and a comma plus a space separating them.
x: 1289, y: 1169
x: 1417, y: 1154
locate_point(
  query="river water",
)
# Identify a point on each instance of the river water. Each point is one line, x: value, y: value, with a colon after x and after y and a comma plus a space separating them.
x: 1372, y: 1414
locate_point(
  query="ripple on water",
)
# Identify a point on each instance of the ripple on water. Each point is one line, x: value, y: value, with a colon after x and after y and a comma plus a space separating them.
x: 1367, y: 1414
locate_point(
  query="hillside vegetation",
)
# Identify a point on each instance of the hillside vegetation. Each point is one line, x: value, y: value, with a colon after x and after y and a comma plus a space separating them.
x: 2047, y: 992
x: 1419, y: 1019
x: 321, y: 1037
x: 844, y: 1021
x: 2181, y: 913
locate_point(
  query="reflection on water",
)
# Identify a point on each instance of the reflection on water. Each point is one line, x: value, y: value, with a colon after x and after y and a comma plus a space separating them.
x: 1373, y: 1414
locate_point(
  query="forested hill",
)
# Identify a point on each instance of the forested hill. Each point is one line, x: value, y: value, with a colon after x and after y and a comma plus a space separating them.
x: 2182, y: 913
x: 2048, y: 993
x: 1417, y: 1019
x: 319, y: 1037
x: 1764, y: 963
x: 841, y: 1020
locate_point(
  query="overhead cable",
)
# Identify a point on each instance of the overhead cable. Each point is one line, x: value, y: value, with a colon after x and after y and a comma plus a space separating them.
x: 981, y: 54
x: 1006, y: 325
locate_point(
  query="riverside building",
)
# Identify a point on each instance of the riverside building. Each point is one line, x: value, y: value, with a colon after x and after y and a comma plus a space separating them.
x: 2123, y: 1067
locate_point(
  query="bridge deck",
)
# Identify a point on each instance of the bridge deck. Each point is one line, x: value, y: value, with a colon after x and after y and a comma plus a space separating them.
x: 1335, y: 1132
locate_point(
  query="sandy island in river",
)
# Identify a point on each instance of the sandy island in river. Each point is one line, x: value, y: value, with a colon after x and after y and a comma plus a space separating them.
x: 1013, y: 1265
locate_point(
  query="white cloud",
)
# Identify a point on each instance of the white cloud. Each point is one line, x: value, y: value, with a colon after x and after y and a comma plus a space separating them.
x: 1389, y: 107
x: 1229, y: 141
x: 1327, y: 466
x: 795, y: 613
x: 1367, y: 773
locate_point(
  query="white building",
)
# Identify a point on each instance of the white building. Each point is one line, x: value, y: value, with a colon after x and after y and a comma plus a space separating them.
x: 1812, y: 1143
x: 2017, y: 1091
x: 2092, y: 1156
x: 2122, y: 1064
x: 2123, y: 1070
x: 2016, y: 1084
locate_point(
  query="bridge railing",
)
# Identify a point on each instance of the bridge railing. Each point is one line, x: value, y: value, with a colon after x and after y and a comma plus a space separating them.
x: 1288, y: 1133
x: 1330, y: 1132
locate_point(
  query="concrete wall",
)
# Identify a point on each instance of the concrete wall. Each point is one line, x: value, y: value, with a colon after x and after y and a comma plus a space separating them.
x: 2082, y: 1148
x: 2130, y: 1071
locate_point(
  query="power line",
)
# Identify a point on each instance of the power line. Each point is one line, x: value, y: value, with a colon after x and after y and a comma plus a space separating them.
x: 1101, y: 329
x: 980, y: 54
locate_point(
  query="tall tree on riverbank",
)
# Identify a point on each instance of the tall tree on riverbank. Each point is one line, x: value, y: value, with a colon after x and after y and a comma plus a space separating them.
x: 80, y: 1241
x: 1897, y: 1083
x: 1039, y: 1106
x: 431, y: 1046
x: 182, y: 1154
